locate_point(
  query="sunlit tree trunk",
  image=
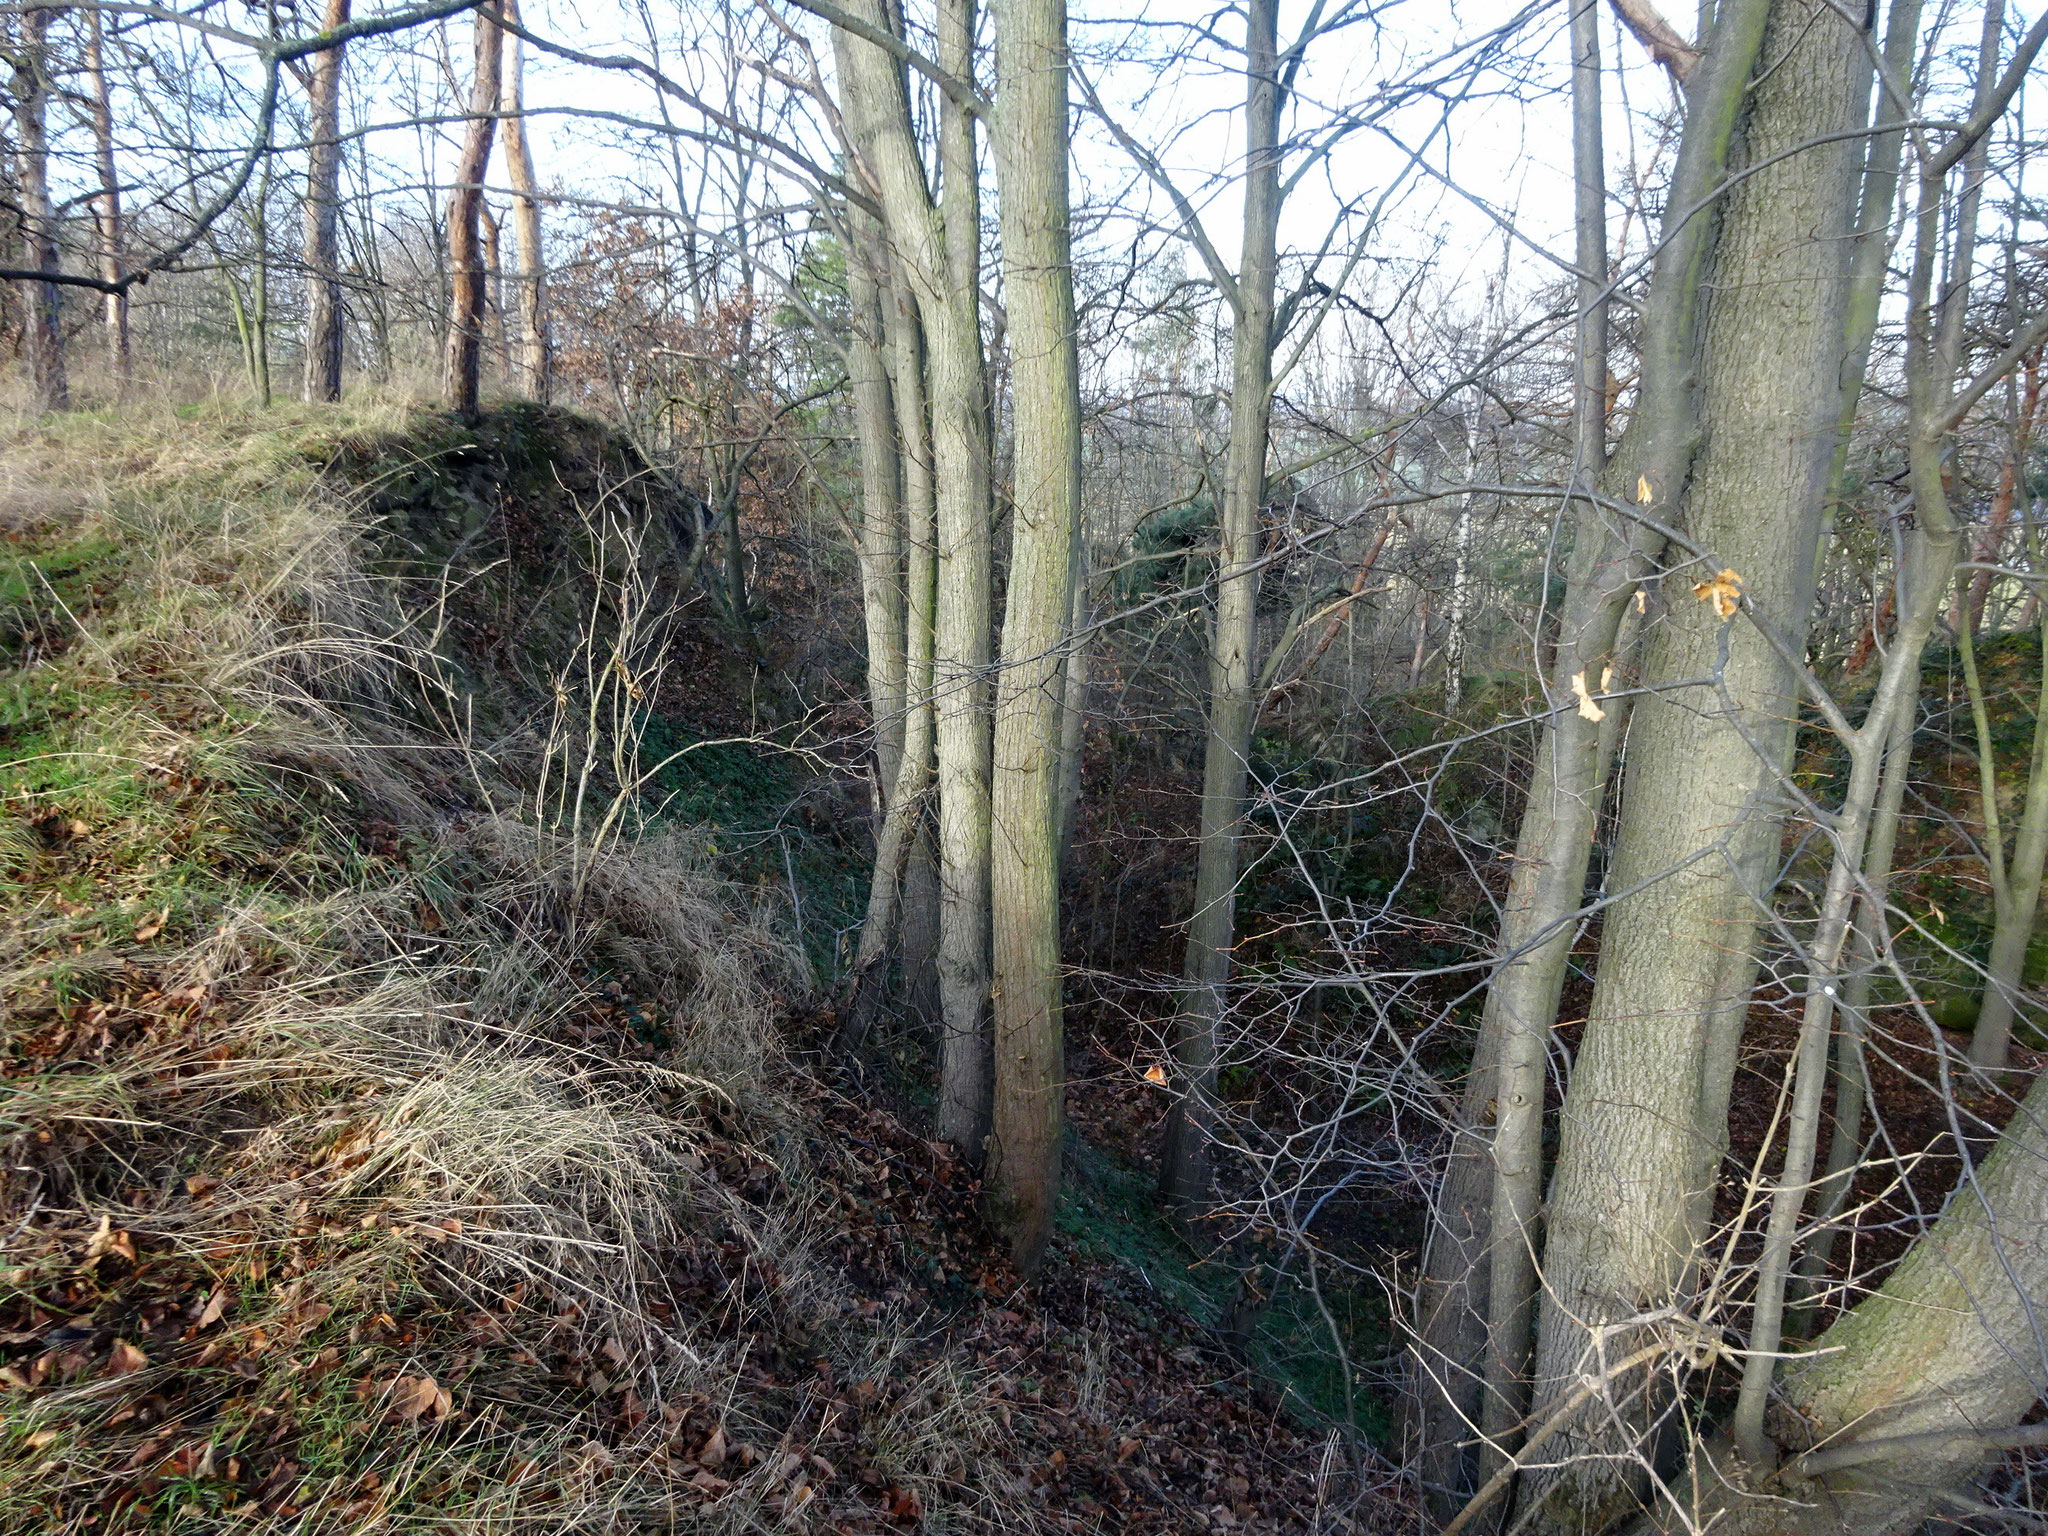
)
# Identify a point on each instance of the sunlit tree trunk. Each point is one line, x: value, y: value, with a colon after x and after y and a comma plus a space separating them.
x: 43, y: 306
x: 1644, y: 1122
x: 1030, y: 1078
x: 1479, y: 1272
x: 107, y: 205
x: 467, y: 277
x: 325, y: 316
x: 531, y: 358
x: 1186, y: 1160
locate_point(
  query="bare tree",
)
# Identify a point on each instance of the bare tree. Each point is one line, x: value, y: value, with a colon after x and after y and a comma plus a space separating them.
x: 531, y: 368
x: 325, y: 314
x: 467, y: 277
x: 1038, y: 284
x: 107, y: 228
x: 33, y: 87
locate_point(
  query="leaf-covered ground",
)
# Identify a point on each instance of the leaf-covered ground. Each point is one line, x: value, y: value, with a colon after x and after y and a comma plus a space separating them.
x: 386, y: 1150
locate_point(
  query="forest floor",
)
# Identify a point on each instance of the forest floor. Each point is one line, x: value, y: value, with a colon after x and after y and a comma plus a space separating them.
x: 389, y: 1150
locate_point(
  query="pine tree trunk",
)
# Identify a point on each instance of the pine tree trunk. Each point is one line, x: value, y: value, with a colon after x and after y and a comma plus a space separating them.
x: 466, y: 273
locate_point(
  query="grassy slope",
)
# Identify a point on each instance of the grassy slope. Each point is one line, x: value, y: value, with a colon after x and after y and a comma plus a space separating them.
x: 396, y: 1138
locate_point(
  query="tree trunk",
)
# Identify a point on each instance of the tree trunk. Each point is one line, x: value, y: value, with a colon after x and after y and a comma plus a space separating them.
x: 466, y: 275
x: 107, y: 205
x: 1031, y: 136
x: 881, y: 527
x: 1185, y: 1168
x: 43, y: 301
x: 1479, y: 1272
x: 258, y: 215
x: 939, y: 259
x: 897, y: 511
x: 325, y: 316
x: 1644, y: 1122
x: 532, y: 359
x: 960, y: 437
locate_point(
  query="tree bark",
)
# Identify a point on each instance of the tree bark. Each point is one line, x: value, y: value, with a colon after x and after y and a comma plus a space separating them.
x: 939, y: 255
x: 43, y: 301
x: 1644, y: 1123
x: 960, y: 431
x: 325, y: 315
x: 107, y: 206
x: 466, y: 276
x: 1185, y: 1160
x: 532, y: 363
x: 1479, y: 1271
x: 1031, y: 135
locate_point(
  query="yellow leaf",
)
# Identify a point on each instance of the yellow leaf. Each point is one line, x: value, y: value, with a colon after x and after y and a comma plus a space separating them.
x: 1724, y: 592
x: 1642, y: 600
x: 1643, y: 492
x: 1588, y: 710
x: 1155, y: 1073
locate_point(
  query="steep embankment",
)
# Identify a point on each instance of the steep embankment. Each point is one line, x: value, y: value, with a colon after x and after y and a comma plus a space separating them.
x: 401, y: 1128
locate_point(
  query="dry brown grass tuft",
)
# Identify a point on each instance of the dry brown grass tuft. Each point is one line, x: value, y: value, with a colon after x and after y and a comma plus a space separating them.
x: 366, y: 1139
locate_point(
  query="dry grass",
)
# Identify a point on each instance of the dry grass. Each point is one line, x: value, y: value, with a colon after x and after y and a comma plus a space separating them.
x: 361, y: 1131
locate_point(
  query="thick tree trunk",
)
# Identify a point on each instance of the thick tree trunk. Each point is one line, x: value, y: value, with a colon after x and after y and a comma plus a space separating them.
x: 107, y: 206
x: 324, y: 311
x: 1644, y: 1122
x: 1031, y: 137
x: 532, y: 355
x: 466, y: 275
x: 43, y: 301
x: 1479, y: 1269
x: 1185, y: 1168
